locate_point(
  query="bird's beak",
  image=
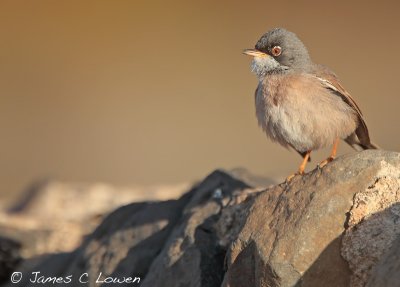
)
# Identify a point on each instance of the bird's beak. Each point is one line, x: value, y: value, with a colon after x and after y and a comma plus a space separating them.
x: 255, y: 53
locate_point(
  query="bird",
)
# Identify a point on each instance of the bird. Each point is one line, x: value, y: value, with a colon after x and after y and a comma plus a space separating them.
x: 300, y: 104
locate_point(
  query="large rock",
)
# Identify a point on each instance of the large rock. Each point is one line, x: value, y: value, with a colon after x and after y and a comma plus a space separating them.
x: 293, y: 233
x: 373, y: 223
x: 330, y: 227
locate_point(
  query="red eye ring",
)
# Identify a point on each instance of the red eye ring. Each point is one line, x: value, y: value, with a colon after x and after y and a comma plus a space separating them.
x: 276, y: 51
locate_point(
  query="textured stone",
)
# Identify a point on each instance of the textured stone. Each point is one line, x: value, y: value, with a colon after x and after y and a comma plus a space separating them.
x: 387, y: 272
x: 125, y: 243
x: 170, y: 243
x: 292, y: 234
x: 373, y: 223
x: 194, y: 253
x: 333, y: 227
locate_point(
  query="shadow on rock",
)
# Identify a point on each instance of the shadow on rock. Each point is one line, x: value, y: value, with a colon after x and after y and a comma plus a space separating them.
x: 327, y: 228
x: 330, y: 227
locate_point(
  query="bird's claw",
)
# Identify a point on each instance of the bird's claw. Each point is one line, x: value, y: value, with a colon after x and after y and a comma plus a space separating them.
x: 290, y: 177
x: 325, y: 162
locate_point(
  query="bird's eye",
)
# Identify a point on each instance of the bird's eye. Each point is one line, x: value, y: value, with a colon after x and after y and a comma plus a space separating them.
x: 276, y: 51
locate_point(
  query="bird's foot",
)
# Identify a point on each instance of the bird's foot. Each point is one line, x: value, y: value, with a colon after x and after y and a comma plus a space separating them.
x: 325, y: 162
x: 290, y: 177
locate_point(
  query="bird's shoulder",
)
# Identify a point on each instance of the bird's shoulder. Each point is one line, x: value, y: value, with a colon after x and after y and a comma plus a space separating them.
x: 328, y: 77
x: 324, y: 71
x: 330, y: 80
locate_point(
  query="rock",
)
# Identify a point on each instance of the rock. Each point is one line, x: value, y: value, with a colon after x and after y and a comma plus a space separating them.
x: 386, y: 272
x: 193, y: 254
x: 126, y: 241
x: 373, y: 223
x: 292, y: 234
x: 54, y: 216
x: 9, y: 257
x: 148, y: 236
x: 330, y: 227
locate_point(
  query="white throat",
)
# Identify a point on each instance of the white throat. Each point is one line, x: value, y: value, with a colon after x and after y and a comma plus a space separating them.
x: 261, y: 66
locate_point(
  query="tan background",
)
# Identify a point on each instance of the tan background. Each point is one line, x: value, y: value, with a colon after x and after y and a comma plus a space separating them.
x: 146, y: 92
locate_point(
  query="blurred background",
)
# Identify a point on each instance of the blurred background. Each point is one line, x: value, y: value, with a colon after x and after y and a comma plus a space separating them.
x: 155, y: 92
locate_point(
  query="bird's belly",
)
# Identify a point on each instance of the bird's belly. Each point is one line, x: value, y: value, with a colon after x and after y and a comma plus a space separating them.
x: 304, y: 122
x: 283, y: 128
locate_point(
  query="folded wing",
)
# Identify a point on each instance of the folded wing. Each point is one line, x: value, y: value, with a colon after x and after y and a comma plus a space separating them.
x: 359, y: 139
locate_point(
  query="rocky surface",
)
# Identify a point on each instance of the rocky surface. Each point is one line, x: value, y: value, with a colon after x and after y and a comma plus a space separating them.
x: 373, y: 223
x: 300, y: 240
x: 54, y: 216
x: 386, y: 272
x: 332, y: 227
x: 9, y: 257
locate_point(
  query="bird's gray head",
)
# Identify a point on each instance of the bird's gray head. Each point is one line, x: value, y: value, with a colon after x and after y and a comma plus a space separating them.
x: 278, y: 51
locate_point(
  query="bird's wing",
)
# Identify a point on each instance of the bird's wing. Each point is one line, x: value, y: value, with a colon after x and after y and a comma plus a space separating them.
x: 331, y: 82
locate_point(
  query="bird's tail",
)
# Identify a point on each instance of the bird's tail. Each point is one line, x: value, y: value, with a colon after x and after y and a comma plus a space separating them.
x: 357, y: 145
x: 369, y: 145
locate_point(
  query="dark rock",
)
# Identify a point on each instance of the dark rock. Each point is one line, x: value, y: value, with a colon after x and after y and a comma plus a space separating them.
x: 387, y: 272
x: 194, y: 255
x: 9, y: 257
x: 125, y: 243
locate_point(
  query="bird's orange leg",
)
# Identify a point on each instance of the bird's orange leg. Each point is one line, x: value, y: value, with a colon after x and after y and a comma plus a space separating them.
x: 332, y: 156
x: 301, y: 167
